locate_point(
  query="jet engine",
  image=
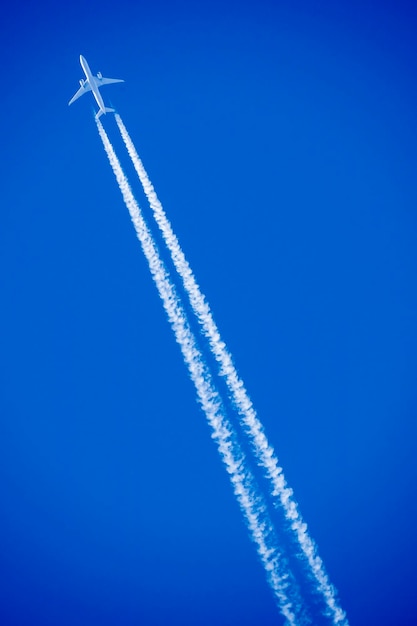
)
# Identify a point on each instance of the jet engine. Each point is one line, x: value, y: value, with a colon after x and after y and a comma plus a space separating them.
x: 81, y: 82
x: 99, y: 75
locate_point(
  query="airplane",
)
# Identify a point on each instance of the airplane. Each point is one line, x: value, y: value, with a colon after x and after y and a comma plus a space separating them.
x: 93, y: 84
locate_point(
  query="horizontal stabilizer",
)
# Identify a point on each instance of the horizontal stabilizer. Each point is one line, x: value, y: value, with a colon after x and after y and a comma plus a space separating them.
x: 106, y: 110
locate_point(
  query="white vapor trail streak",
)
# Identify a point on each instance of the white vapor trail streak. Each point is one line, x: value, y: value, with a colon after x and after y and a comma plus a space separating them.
x: 251, y: 503
x: 263, y: 450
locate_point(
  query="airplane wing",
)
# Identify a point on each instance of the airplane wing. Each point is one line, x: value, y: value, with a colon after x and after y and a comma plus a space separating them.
x: 107, y: 81
x: 82, y: 90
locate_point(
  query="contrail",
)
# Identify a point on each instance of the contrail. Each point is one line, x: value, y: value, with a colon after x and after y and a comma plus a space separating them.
x: 254, y: 510
x: 263, y: 450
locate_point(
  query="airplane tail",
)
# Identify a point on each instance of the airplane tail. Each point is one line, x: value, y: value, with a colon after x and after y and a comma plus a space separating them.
x: 106, y: 110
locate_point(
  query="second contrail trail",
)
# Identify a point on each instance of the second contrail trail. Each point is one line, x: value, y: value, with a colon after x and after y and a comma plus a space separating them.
x: 263, y: 450
x: 254, y: 509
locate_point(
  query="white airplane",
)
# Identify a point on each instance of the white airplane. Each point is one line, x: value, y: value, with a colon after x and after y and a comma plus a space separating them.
x: 93, y: 84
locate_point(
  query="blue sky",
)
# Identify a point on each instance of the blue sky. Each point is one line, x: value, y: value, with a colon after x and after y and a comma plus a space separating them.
x: 281, y: 139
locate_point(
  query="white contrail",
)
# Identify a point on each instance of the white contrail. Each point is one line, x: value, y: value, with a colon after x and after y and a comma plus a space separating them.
x: 253, y: 508
x: 263, y: 450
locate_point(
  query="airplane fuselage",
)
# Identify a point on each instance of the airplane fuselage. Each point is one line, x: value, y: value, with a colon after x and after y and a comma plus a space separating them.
x: 92, y: 83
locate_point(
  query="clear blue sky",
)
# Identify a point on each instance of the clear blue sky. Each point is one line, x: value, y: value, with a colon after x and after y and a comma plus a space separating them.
x: 281, y: 138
